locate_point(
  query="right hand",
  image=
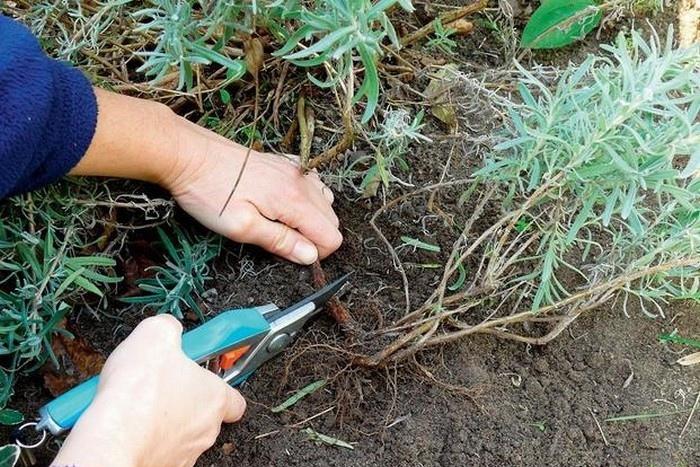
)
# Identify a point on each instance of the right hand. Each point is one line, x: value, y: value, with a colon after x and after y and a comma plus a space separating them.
x: 154, y: 406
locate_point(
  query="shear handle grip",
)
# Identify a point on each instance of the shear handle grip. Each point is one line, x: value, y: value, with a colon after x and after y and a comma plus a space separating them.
x: 226, y: 331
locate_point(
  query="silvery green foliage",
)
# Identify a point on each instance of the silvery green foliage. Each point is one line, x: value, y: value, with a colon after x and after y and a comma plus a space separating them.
x: 82, y: 28
x: 185, y: 39
x: 390, y: 143
x: 607, y: 163
x: 338, y: 32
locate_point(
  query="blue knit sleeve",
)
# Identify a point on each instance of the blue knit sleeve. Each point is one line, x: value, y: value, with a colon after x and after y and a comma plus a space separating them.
x: 48, y: 113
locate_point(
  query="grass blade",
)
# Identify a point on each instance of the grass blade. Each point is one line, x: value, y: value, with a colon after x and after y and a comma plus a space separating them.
x: 299, y: 395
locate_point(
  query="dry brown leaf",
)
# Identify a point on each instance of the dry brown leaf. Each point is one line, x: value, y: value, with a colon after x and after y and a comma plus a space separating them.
x: 254, y: 55
x: 688, y: 360
x: 439, y: 95
x: 79, y: 361
x: 462, y: 27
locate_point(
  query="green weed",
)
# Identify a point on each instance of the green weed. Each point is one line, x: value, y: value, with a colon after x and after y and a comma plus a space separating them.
x: 441, y: 38
x: 558, y: 23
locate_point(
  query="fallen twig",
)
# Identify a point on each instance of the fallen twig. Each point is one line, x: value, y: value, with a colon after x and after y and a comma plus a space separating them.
x: 446, y: 19
x: 690, y: 417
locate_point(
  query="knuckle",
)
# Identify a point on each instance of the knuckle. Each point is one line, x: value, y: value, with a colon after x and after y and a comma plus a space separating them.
x: 282, y: 242
x: 162, y: 325
x: 213, y: 435
x: 337, y: 240
x: 245, y: 218
x: 294, y: 192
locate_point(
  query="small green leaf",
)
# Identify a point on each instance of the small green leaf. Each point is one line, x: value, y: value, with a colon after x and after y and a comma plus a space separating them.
x: 299, y: 395
x: 9, y: 455
x: 225, y: 96
x: 692, y: 166
x: 557, y: 23
x: 460, y: 279
x: 415, y: 243
x: 68, y: 281
x: 11, y: 417
x: 676, y: 339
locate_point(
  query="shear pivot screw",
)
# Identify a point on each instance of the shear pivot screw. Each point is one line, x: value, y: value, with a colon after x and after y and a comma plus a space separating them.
x: 278, y: 343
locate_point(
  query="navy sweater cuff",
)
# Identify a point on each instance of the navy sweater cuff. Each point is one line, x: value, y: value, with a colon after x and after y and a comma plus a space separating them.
x: 48, y: 113
x: 72, y: 124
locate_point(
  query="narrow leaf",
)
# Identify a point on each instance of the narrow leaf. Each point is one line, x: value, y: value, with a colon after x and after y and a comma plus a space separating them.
x: 321, y: 438
x: 299, y: 395
x: 11, y: 417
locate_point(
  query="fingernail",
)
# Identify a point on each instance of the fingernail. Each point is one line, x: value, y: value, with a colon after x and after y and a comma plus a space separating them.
x: 304, y: 253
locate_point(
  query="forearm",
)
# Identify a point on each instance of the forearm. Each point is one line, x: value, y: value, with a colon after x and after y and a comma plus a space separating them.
x: 135, y: 139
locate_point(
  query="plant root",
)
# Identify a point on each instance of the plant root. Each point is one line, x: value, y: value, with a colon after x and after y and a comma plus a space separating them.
x: 335, y: 308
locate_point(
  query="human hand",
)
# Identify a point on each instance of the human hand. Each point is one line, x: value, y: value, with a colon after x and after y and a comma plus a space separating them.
x: 154, y: 406
x: 274, y: 206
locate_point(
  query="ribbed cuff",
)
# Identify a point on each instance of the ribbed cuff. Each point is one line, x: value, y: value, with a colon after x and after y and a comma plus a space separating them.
x: 72, y: 122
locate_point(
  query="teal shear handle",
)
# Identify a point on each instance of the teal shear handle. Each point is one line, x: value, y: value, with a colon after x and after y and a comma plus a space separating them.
x: 227, y: 331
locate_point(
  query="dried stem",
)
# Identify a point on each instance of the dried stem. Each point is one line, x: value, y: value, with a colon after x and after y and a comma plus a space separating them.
x: 445, y: 18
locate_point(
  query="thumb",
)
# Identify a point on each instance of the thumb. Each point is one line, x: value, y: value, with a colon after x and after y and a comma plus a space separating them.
x: 235, y: 405
x: 247, y: 225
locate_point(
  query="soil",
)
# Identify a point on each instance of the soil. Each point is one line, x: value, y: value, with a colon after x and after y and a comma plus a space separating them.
x: 482, y: 401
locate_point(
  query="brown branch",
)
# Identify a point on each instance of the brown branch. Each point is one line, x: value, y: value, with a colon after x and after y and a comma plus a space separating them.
x: 445, y: 18
x: 307, y: 125
x: 396, y: 351
x: 348, y: 127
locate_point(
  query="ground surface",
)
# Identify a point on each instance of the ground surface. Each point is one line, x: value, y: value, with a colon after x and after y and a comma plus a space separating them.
x: 479, y: 402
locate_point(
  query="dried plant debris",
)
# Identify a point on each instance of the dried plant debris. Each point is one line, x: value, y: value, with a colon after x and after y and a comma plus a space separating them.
x: 299, y: 395
x: 325, y: 439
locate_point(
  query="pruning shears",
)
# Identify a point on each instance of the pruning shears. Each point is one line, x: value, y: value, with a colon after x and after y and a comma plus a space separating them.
x: 233, y: 345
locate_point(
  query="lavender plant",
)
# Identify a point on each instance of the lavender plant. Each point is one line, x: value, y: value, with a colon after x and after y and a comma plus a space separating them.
x: 340, y: 32
x: 603, y: 168
x: 185, y: 39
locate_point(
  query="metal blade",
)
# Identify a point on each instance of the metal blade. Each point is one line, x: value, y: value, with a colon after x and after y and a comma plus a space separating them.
x: 318, y: 298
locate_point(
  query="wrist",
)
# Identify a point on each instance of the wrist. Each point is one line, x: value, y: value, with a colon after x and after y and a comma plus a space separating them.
x: 134, y: 138
x: 193, y: 154
x: 98, y: 439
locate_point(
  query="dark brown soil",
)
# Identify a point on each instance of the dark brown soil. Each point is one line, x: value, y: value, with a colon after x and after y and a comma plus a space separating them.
x: 482, y: 401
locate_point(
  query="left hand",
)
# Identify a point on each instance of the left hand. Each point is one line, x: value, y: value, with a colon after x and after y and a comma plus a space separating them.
x: 274, y: 206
